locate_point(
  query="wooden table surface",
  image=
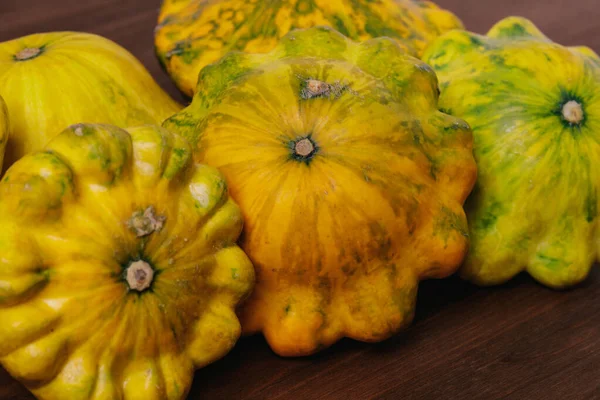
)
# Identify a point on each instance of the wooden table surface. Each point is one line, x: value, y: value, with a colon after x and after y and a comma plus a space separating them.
x: 518, y: 341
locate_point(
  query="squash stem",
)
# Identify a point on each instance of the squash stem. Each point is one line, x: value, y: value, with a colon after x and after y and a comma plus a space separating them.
x: 139, y: 275
x: 146, y: 222
x: 572, y: 112
x: 28, y: 53
x: 304, y: 147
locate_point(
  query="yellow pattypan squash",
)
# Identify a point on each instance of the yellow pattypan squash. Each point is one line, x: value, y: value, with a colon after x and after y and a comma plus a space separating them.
x: 52, y: 80
x: 534, y: 107
x: 119, y: 269
x: 350, y: 180
x: 192, y: 34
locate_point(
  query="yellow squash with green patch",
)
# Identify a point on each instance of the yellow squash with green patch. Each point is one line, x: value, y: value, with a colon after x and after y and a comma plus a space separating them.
x: 4, y: 130
x: 52, y: 80
x: 534, y: 108
x: 119, y: 269
x: 194, y: 33
x: 350, y: 180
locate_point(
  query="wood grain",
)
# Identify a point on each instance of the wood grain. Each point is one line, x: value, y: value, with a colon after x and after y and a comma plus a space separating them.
x: 518, y: 341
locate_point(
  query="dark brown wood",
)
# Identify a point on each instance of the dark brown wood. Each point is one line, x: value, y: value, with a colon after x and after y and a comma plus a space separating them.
x: 518, y: 341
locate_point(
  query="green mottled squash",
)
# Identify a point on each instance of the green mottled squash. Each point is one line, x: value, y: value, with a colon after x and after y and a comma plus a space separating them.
x: 534, y: 107
x: 194, y: 33
x: 52, y: 80
x: 350, y: 180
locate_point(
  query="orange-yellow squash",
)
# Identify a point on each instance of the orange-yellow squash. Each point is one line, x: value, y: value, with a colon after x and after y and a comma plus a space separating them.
x: 4, y: 130
x: 194, y: 33
x: 52, y: 80
x: 119, y: 269
x: 350, y: 180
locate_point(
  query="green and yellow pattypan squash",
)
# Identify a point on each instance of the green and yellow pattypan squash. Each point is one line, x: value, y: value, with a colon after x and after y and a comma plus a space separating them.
x: 194, y: 33
x: 534, y: 107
